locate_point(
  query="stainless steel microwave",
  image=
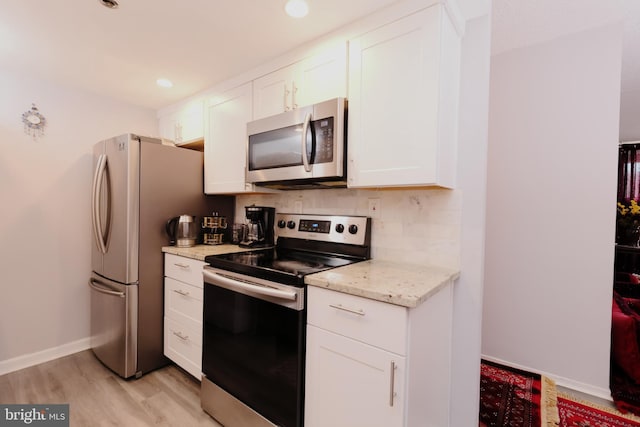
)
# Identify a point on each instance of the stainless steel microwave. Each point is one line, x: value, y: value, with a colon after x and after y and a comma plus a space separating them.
x: 302, y: 148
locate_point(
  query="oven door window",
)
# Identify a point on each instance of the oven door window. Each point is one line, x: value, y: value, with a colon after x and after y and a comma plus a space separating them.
x: 254, y: 349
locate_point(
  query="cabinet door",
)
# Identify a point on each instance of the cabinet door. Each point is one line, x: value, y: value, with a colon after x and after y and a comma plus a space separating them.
x: 225, y: 141
x: 273, y: 93
x: 321, y: 77
x: 184, y: 125
x: 399, y: 99
x: 349, y: 383
x: 191, y: 122
x: 318, y: 78
x: 168, y: 126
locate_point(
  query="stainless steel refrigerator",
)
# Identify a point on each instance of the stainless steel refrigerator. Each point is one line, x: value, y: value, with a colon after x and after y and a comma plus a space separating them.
x: 138, y: 184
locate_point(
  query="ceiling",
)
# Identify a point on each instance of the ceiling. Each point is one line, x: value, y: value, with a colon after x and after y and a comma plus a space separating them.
x: 518, y: 23
x: 194, y: 43
x: 198, y: 43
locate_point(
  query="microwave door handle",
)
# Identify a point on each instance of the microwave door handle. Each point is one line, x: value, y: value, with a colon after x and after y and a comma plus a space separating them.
x: 305, y: 129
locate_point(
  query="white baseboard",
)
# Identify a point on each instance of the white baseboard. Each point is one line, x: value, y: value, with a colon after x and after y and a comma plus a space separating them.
x: 602, y: 393
x: 21, y: 362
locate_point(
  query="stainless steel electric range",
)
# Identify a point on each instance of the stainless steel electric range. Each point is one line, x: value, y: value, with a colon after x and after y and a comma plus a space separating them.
x: 254, y: 330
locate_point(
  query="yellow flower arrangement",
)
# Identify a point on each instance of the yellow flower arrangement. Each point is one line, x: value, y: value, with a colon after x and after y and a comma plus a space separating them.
x: 628, y: 224
x: 632, y: 209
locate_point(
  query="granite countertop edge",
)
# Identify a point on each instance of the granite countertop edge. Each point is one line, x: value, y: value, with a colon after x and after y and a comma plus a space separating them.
x: 407, y: 285
x: 199, y: 252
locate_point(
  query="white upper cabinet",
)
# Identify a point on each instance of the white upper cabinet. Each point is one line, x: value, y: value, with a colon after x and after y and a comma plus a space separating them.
x: 323, y: 76
x: 274, y: 93
x: 184, y: 125
x: 320, y: 77
x: 225, y: 141
x: 403, y: 102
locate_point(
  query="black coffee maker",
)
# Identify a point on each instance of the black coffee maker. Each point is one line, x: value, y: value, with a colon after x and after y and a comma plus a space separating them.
x: 259, y: 230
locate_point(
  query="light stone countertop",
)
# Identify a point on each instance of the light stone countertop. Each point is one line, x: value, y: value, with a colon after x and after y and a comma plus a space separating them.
x: 407, y: 285
x: 199, y: 252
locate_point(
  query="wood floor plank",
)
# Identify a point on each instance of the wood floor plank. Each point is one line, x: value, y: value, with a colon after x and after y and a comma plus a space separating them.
x: 98, y: 397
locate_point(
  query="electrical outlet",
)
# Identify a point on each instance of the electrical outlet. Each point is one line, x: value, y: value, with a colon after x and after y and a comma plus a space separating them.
x: 374, y: 208
x: 297, y: 206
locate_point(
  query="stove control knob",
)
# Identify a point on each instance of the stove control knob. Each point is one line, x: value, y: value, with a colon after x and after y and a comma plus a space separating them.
x: 291, y: 224
x: 353, y: 229
x: 339, y: 228
x: 281, y: 223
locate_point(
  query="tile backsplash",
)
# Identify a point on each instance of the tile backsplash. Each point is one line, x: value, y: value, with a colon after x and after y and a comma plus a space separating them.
x: 419, y: 226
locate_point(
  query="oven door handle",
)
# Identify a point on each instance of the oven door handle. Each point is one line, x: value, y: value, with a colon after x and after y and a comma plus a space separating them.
x: 225, y: 282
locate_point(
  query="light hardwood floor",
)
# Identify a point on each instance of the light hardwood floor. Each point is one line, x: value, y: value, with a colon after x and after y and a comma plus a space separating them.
x: 98, y: 397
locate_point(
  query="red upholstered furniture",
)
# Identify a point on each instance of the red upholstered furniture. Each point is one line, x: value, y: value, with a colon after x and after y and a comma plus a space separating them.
x: 625, y: 330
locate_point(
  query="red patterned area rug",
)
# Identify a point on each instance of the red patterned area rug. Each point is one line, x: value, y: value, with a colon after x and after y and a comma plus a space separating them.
x: 585, y: 414
x: 512, y: 397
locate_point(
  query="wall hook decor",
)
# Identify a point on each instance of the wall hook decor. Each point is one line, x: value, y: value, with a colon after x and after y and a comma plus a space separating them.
x: 33, y: 122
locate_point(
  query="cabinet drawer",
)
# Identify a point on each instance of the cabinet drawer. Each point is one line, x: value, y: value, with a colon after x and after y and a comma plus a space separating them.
x: 373, y: 322
x: 183, y: 302
x: 183, y: 345
x: 184, y: 269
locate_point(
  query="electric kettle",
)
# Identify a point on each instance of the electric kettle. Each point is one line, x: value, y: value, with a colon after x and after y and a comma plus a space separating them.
x: 182, y: 231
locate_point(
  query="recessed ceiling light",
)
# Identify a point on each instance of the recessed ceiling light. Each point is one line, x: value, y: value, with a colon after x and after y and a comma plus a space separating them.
x: 297, y: 8
x: 164, y: 83
x: 111, y: 4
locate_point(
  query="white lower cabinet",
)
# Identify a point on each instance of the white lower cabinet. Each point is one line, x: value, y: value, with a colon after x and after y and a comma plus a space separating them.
x: 373, y: 364
x: 350, y: 383
x: 183, y: 299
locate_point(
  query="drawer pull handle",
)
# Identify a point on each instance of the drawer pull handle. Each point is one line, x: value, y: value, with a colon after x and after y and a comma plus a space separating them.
x: 182, y: 337
x: 181, y: 292
x: 179, y: 264
x: 392, y: 394
x: 359, y: 312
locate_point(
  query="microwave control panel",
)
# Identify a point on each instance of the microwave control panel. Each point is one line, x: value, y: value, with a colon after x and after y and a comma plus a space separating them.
x: 323, y: 129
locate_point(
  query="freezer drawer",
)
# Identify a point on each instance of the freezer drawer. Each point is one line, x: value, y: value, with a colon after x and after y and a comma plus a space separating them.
x: 114, y: 324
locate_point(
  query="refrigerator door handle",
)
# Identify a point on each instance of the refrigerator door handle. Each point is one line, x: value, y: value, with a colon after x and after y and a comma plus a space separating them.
x: 96, y: 193
x: 94, y: 285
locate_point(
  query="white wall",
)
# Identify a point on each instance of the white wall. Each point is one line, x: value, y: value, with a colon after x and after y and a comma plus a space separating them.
x: 472, y: 173
x: 44, y: 213
x: 553, y: 131
x: 630, y: 116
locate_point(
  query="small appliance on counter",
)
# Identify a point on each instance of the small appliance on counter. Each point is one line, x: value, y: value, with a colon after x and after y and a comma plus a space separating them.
x: 213, y: 229
x: 182, y: 231
x: 259, y: 231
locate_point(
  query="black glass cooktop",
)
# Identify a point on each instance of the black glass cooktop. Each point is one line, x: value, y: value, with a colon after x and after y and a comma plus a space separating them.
x: 282, y: 266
